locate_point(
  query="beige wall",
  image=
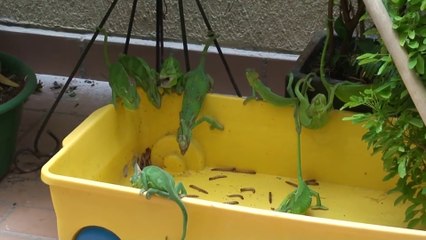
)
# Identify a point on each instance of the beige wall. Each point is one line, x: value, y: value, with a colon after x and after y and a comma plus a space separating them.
x: 274, y: 25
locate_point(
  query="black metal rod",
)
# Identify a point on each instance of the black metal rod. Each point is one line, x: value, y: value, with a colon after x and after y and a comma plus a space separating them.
x: 219, y: 50
x: 130, y: 26
x: 158, y: 35
x: 184, y: 39
x: 74, y: 71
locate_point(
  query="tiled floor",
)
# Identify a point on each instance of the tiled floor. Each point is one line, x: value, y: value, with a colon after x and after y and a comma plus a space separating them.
x: 26, y: 211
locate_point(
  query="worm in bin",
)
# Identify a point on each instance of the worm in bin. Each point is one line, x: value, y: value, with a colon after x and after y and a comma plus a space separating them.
x: 248, y: 189
x: 236, y: 195
x: 198, y: 189
x: 217, y: 177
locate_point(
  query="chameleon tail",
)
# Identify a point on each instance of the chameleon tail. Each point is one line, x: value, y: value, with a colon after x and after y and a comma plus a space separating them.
x: 184, y: 216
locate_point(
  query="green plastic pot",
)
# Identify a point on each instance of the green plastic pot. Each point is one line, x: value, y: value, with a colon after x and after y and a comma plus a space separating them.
x: 11, y: 111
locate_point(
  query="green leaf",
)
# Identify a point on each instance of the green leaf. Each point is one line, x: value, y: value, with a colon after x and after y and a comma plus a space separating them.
x: 382, y: 68
x: 423, y: 6
x: 366, y: 61
x: 411, y: 34
x: 366, y: 55
x: 412, y: 62
x: 412, y: 223
x: 416, y: 122
x: 402, y: 171
x: 413, y: 44
x: 424, y: 191
x: 420, y: 66
x: 389, y: 176
x: 400, y: 199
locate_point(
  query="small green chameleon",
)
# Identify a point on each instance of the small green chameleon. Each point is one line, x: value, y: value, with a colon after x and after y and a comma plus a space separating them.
x: 197, y: 84
x: 153, y: 180
x: 144, y: 76
x: 299, y: 201
x: 171, y: 75
x: 265, y: 93
x: 122, y: 87
x: 314, y: 115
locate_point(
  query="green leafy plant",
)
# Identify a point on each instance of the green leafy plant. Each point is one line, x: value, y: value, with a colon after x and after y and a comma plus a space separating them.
x: 394, y: 127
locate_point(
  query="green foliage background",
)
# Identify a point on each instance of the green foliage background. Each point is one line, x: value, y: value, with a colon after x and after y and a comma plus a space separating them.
x: 394, y: 127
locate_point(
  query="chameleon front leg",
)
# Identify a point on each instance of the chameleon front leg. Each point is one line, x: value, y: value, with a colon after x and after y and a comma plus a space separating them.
x: 214, y: 124
x: 180, y: 189
x: 318, y: 205
x: 153, y: 191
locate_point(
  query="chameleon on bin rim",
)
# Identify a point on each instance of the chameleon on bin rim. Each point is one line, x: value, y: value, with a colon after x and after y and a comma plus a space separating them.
x: 197, y: 84
x: 153, y: 180
x: 127, y: 73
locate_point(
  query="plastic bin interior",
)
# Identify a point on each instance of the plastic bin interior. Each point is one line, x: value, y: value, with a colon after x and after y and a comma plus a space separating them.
x: 89, y: 176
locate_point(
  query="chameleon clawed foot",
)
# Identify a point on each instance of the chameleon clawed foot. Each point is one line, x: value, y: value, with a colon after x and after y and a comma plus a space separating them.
x: 319, y: 207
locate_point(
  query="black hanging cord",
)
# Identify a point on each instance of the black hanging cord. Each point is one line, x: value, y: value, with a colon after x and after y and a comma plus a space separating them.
x: 130, y: 27
x: 36, y: 152
x: 184, y: 40
x: 159, y: 47
x: 219, y: 50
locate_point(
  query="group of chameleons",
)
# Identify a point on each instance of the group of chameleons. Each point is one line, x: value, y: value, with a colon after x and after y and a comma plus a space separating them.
x: 194, y: 85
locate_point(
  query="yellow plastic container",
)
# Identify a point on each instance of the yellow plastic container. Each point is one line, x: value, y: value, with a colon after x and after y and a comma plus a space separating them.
x: 89, y: 176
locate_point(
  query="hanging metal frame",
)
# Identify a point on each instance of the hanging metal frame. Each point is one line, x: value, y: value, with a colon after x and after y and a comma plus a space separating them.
x: 159, y: 59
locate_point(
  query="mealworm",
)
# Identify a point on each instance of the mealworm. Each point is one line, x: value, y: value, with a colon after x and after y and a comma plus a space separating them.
x: 224, y: 169
x: 312, y: 182
x: 198, y: 189
x: 248, y: 189
x: 270, y: 197
x: 248, y: 171
x: 232, y: 202
x: 217, y: 177
x: 236, y: 195
x: 291, y: 183
x: 192, y: 196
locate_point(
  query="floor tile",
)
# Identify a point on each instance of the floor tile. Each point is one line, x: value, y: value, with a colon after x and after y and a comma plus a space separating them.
x: 12, y: 236
x: 25, y: 190
x: 34, y: 221
x: 5, y: 209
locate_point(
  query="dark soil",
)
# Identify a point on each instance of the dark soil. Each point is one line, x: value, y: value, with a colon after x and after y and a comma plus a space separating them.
x: 7, y: 93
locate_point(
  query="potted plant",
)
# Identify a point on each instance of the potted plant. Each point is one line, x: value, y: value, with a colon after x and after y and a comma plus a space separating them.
x: 394, y: 126
x: 333, y: 52
x: 17, y: 82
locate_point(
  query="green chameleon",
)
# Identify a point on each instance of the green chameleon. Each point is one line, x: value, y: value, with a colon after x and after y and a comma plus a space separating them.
x: 313, y: 115
x: 299, y: 201
x: 153, y: 180
x: 123, y: 88
x: 171, y: 75
x: 265, y: 93
x: 144, y: 76
x: 197, y: 84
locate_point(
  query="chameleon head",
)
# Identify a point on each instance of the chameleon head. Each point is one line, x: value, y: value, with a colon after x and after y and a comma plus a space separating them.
x: 319, y: 103
x: 184, y: 136
x: 136, y: 179
x: 252, y: 76
x: 183, y: 141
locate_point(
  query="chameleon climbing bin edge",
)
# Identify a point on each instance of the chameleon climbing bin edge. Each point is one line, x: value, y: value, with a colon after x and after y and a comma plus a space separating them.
x: 89, y: 178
